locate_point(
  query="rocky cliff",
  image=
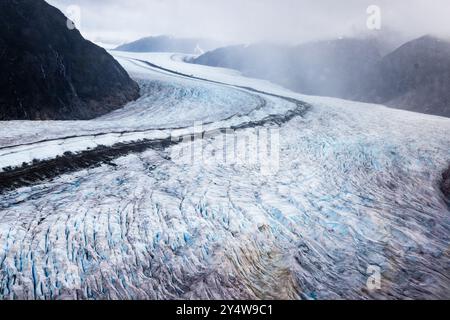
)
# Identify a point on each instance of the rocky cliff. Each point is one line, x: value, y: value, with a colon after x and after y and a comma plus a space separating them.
x: 49, y: 72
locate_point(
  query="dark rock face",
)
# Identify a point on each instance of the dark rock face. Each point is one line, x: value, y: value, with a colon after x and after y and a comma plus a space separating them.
x: 49, y: 72
x: 446, y: 183
x: 169, y: 44
x: 415, y: 77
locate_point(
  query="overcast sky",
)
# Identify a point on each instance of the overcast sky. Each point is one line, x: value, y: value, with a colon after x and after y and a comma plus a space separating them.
x: 246, y: 21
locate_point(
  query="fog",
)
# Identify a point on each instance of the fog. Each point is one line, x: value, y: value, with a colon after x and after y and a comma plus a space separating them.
x: 237, y: 21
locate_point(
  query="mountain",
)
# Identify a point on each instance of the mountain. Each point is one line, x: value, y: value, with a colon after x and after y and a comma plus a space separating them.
x: 446, y: 183
x: 49, y: 72
x: 333, y: 68
x: 415, y: 76
x: 320, y: 68
x: 169, y: 44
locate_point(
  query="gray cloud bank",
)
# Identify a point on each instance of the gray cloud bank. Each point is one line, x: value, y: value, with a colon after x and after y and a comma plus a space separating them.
x: 233, y: 21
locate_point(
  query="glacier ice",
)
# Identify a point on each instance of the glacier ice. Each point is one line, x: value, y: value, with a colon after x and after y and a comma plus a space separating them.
x: 357, y: 186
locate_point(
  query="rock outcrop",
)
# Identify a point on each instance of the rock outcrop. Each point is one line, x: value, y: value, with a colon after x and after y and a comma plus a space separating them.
x: 50, y: 72
x: 446, y: 183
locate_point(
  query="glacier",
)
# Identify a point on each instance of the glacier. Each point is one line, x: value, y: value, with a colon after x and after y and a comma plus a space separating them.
x: 357, y: 186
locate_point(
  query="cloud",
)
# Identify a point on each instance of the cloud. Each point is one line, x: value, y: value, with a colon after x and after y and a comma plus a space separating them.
x: 232, y: 21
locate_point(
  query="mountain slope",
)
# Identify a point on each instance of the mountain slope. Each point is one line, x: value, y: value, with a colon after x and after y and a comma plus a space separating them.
x: 329, y: 68
x: 51, y: 72
x: 169, y: 44
x: 333, y: 68
x: 415, y: 77
x: 446, y: 183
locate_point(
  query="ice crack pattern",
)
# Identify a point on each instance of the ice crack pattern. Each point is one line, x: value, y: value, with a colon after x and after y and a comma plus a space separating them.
x: 358, y: 185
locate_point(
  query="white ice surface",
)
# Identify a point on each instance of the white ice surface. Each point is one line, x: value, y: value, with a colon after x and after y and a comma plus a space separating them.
x: 167, y: 104
x: 357, y: 187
